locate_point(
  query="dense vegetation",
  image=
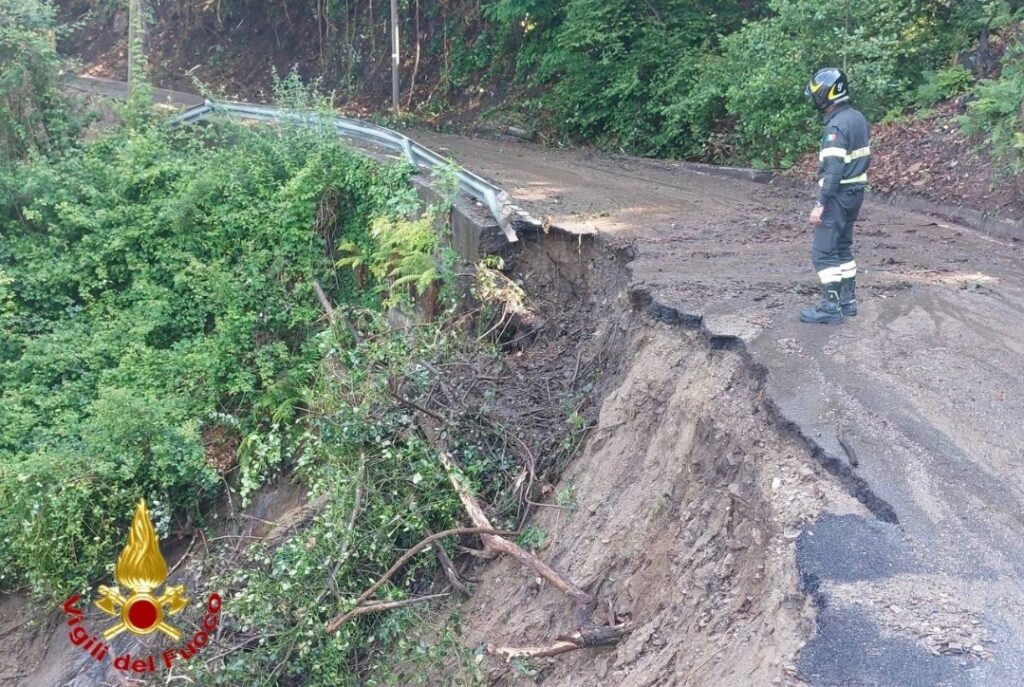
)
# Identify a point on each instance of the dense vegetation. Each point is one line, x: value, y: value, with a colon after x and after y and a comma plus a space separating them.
x: 723, y: 81
x: 156, y: 284
x: 158, y: 315
x: 32, y: 114
x: 720, y: 81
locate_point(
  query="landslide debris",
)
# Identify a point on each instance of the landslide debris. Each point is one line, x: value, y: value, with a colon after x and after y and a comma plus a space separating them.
x: 680, y: 512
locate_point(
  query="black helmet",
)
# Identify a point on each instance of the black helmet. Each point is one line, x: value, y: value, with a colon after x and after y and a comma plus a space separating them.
x: 828, y: 87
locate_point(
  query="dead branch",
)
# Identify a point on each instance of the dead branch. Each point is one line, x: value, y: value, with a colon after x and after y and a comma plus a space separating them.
x: 449, y: 570
x: 415, y: 406
x: 576, y: 372
x: 548, y: 505
x: 183, y: 556
x: 332, y: 314
x: 583, y: 638
x: 449, y: 394
x: 850, y: 453
x: 416, y: 64
x: 378, y: 606
x: 340, y: 620
x: 322, y: 297
x: 479, y: 518
x: 343, y: 553
x: 497, y: 543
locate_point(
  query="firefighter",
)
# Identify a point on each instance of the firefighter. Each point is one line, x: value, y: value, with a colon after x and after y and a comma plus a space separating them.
x: 844, y: 160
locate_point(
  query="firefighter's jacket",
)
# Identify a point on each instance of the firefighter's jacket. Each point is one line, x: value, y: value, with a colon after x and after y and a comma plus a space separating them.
x: 845, y: 152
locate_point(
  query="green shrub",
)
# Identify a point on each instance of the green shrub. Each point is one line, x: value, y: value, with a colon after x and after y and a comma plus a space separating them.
x: 942, y: 85
x: 724, y: 81
x: 997, y: 114
x: 33, y: 114
x: 385, y: 490
x: 618, y: 70
x: 151, y: 284
x: 760, y: 75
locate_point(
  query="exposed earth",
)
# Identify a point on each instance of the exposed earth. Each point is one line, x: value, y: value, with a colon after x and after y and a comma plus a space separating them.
x: 927, y: 160
x: 713, y: 502
x: 925, y: 385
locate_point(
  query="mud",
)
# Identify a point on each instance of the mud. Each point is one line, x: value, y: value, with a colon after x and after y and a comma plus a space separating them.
x: 686, y: 502
x: 925, y: 384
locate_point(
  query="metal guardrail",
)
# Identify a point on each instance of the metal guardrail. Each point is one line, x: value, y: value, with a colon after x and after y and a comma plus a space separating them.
x: 419, y: 156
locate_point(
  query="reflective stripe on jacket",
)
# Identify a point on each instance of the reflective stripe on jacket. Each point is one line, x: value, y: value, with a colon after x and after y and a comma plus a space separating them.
x: 845, y: 152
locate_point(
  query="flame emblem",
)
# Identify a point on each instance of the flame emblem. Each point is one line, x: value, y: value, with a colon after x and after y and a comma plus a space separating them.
x: 142, y: 569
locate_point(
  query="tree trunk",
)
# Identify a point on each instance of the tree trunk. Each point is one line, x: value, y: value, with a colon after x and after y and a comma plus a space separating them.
x: 394, y: 58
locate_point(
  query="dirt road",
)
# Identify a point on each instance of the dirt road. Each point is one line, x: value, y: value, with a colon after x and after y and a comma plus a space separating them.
x: 926, y: 385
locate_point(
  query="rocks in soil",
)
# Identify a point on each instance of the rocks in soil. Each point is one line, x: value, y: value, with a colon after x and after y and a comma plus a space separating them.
x: 924, y: 607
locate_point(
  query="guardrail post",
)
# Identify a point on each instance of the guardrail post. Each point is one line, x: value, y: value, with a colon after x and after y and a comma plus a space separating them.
x: 410, y: 153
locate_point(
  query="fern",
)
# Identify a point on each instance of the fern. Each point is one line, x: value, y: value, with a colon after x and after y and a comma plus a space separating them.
x: 997, y: 114
x: 942, y: 85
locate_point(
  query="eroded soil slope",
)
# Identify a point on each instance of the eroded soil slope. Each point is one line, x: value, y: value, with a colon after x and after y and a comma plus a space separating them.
x: 687, y: 502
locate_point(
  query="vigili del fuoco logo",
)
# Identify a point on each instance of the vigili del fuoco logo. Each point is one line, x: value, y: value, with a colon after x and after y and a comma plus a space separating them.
x: 142, y: 571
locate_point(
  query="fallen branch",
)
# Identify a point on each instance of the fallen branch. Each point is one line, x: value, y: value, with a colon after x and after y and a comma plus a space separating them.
x: 449, y: 570
x: 584, y: 638
x: 332, y: 314
x: 480, y: 554
x: 850, y: 453
x: 357, y: 500
x: 493, y: 542
x: 324, y: 302
x: 502, y: 545
x: 378, y: 606
x: 415, y: 406
x: 340, y: 620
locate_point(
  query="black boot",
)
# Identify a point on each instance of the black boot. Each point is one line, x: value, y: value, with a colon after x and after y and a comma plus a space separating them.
x: 827, y: 311
x: 848, y: 296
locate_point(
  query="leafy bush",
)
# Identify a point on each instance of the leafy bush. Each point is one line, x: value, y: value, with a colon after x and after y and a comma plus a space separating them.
x: 997, y: 113
x: 384, y: 490
x: 33, y: 115
x: 724, y: 81
x: 943, y: 84
x: 759, y: 77
x: 618, y: 70
x: 160, y: 283
x: 150, y: 285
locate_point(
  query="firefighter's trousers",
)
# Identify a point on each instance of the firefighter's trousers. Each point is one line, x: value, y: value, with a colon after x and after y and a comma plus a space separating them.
x: 833, y: 236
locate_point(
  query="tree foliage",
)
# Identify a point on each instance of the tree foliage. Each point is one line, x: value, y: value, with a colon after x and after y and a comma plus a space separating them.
x: 884, y: 47
x: 33, y: 115
x: 153, y: 284
x: 724, y: 80
x: 997, y: 112
x: 619, y: 70
x: 720, y: 81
